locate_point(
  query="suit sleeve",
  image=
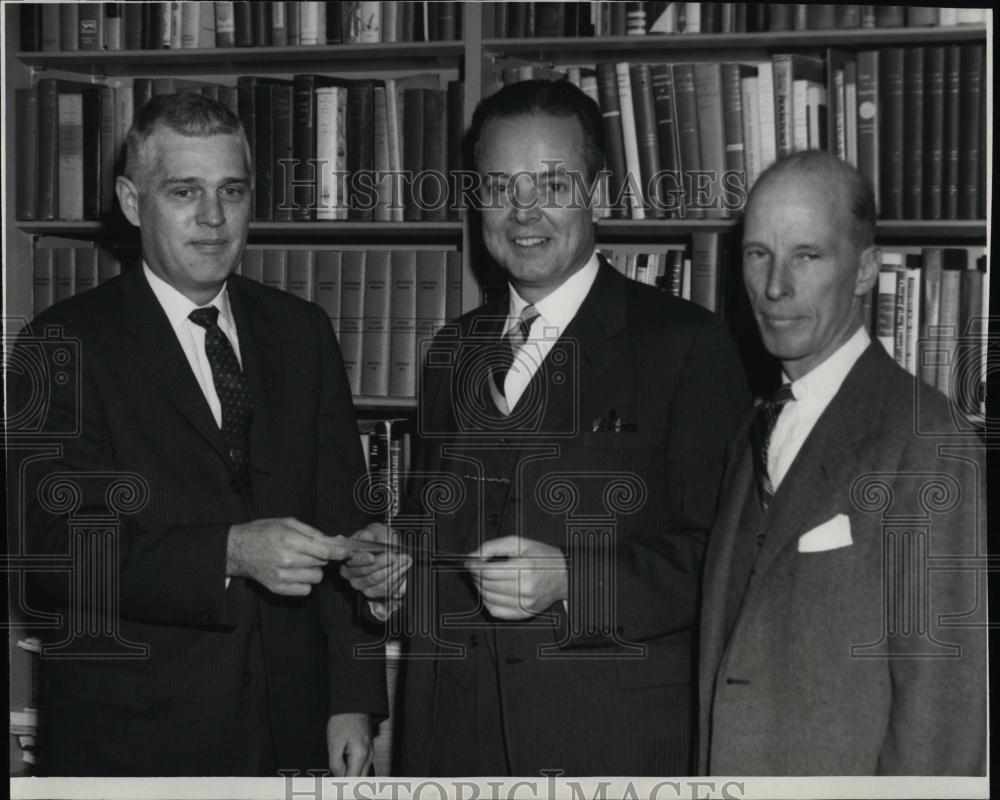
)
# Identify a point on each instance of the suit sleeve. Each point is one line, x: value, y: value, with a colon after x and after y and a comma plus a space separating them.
x: 170, y: 573
x: 659, y: 561
x: 937, y: 721
x: 357, y: 661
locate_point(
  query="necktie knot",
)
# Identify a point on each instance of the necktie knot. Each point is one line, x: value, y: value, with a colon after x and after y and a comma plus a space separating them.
x: 207, y: 317
x: 518, y: 333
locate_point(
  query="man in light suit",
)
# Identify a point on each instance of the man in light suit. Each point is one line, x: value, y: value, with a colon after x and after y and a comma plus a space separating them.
x: 230, y: 650
x: 578, y: 470
x: 843, y: 617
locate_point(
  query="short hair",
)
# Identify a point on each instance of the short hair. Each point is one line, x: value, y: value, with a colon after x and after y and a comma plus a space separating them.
x: 558, y: 98
x: 856, y: 187
x: 187, y: 114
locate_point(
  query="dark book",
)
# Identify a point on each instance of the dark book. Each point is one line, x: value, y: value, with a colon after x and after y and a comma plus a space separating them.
x: 688, y: 141
x: 890, y: 16
x: 952, y: 130
x: 800, y: 16
x: 413, y: 151
x: 619, y: 19
x: 26, y: 164
x: 550, y: 19
x: 969, y: 176
x: 51, y: 28
x: 666, y: 132
x: 848, y: 15
x: 646, y: 136
x: 500, y: 20
x: 953, y: 265
x: 868, y: 16
x: 360, y: 148
x: 90, y: 17
x: 732, y: 116
x: 31, y: 27
x: 779, y: 16
x: 48, y: 148
x: 933, y: 131
x: 711, y: 134
x: 258, y: 107
x: 305, y: 196
x: 43, y: 279
x: 433, y: 194
x: 614, y: 140
x: 225, y: 24
x: 261, y: 22
x: 913, y: 133
x: 821, y: 16
x: 970, y: 313
x: 107, y: 140
x: 63, y: 273
x: 919, y: 16
x: 891, y: 130
x: 152, y: 23
x: 517, y: 20
x: 292, y: 24
x: 86, y: 269
x: 243, y: 24
x: 868, y: 111
x: 69, y: 26
x: 133, y: 18
x: 263, y: 157
x: 456, y: 130
x: 758, y: 15
x: 335, y: 22
x: 930, y: 311
x: 711, y: 17
x: 279, y: 24
x: 447, y: 28
x: 246, y: 99
x: 282, y: 151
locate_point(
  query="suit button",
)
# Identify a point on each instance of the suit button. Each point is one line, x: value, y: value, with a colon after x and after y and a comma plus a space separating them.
x: 247, y: 677
x: 235, y: 486
x: 473, y: 641
x: 205, y: 617
x: 493, y: 519
x: 760, y: 539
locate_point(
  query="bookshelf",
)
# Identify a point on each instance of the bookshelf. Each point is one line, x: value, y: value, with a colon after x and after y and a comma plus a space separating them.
x: 472, y: 57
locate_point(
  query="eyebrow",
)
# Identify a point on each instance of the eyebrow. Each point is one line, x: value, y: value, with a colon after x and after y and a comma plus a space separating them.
x: 195, y: 181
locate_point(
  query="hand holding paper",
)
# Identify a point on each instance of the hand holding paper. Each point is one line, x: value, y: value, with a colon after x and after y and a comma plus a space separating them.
x: 518, y: 578
x: 380, y: 575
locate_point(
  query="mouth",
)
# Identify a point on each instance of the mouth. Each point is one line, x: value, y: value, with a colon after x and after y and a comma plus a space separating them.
x: 779, y: 322
x: 529, y: 241
x: 210, y: 243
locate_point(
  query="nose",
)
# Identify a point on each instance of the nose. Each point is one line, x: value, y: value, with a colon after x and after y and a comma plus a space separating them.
x: 524, y: 202
x: 210, y: 210
x: 778, y: 284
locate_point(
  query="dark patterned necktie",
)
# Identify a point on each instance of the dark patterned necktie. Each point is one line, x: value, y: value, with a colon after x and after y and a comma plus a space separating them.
x: 760, y: 438
x: 232, y: 389
x: 513, y: 340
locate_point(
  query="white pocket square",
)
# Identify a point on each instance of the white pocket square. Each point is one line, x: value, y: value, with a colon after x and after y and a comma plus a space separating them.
x: 834, y: 533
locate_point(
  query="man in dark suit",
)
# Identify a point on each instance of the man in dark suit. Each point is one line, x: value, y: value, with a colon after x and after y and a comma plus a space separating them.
x: 843, y: 627
x: 572, y: 440
x: 223, y: 405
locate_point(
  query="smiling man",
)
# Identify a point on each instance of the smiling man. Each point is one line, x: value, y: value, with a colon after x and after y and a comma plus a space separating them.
x: 579, y: 426
x: 228, y: 402
x: 835, y: 638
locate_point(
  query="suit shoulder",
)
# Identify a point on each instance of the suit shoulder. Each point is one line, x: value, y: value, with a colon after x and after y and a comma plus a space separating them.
x: 83, y: 313
x: 275, y: 302
x: 669, y: 311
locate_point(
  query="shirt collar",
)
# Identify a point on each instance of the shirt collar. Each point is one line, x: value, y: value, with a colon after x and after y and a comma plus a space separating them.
x: 177, y: 307
x: 560, y: 305
x: 820, y: 384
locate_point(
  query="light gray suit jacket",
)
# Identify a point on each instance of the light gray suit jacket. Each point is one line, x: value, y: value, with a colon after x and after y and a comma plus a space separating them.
x: 854, y: 649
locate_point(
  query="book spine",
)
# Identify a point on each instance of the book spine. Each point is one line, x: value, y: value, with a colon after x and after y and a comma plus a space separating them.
x: 27, y: 178
x: 261, y: 19
x: 330, y: 143
x: 304, y: 139
x: 43, y: 280
x: 50, y: 28
x: 71, y: 156
x: 952, y: 132
x: 375, y: 341
x: 69, y: 27
x: 686, y: 113
x: 85, y: 262
x: 106, y: 144
x: 768, y: 129
x: 663, y: 103
x: 283, y: 132
x: 885, y: 326
x: 263, y: 152
x: 352, y: 305
x: 90, y: 18
x: 456, y: 130
x: 299, y: 273
x: 705, y: 270
x: 206, y: 25
x: 275, y: 272
x: 732, y: 117
x: 633, y: 172
x: 784, y: 119
x: 711, y: 143
x: 453, y: 285
x: 933, y: 133
x: 751, y: 129
x: 292, y: 10
x: 891, y: 70
x: 614, y: 142
x: 48, y: 149
x: 890, y: 16
x: 402, y: 333
x: 326, y: 288
x: 225, y: 24
x: 930, y: 315
x: 912, y: 319
x: 242, y: 23
x: 252, y: 264
x: 413, y: 151
x: 971, y: 97
x: 431, y: 300
x: 869, y: 125
x: 190, y: 28
x: 951, y: 282
x: 913, y: 133
x: 433, y: 195
x: 64, y: 273
x: 380, y: 146
x: 646, y: 135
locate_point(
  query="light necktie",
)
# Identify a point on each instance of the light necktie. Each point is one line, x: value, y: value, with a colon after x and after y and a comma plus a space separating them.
x: 760, y: 438
x: 232, y: 389
x: 513, y: 340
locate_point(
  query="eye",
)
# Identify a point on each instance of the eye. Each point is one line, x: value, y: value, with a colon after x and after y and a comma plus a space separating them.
x: 809, y: 255
x: 753, y: 253
x: 183, y: 194
x: 234, y: 192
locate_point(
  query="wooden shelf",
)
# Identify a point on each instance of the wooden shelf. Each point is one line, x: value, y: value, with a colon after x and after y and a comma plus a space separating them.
x: 342, y: 58
x: 733, y: 46
x: 383, y: 403
x: 308, y: 232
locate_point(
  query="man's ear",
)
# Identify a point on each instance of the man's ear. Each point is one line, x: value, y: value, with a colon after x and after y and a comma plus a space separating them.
x: 869, y: 261
x: 128, y: 198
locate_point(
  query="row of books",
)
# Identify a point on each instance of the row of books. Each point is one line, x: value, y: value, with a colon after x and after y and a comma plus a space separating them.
x: 553, y: 19
x: 64, y: 27
x: 386, y: 444
x: 929, y: 311
x: 690, y: 139
x: 381, y: 303
x: 324, y: 147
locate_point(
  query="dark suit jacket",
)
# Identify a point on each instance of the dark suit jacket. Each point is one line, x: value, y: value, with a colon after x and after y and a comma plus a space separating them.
x: 186, y: 706
x: 862, y: 658
x: 591, y: 694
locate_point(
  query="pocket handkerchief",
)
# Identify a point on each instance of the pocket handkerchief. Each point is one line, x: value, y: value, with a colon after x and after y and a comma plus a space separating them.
x: 834, y: 533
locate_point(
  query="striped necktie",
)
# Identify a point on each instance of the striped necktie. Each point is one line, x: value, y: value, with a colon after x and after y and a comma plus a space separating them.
x: 760, y: 438
x: 513, y: 340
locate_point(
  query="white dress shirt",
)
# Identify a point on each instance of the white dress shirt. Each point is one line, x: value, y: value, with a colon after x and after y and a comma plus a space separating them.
x: 813, y: 393
x: 555, y: 311
x: 192, y: 337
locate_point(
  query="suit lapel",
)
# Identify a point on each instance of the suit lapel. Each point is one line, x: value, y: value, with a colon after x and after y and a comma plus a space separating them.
x: 827, y: 459
x: 157, y: 353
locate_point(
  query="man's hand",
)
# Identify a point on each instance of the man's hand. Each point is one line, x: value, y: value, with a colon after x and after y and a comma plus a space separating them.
x: 526, y: 580
x: 284, y: 555
x: 349, y: 744
x: 381, y: 577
